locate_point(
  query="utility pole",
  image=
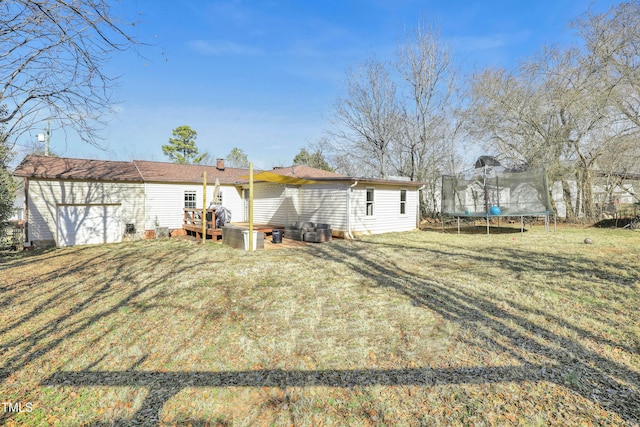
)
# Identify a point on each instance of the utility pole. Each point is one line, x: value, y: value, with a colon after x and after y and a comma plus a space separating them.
x: 46, y: 138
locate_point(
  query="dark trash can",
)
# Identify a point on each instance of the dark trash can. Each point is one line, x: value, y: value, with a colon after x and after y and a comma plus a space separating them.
x: 276, y: 236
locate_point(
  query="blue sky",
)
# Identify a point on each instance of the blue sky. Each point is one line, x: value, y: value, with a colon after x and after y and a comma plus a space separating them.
x: 263, y: 75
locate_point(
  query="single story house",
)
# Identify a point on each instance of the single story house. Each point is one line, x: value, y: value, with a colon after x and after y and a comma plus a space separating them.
x: 80, y: 201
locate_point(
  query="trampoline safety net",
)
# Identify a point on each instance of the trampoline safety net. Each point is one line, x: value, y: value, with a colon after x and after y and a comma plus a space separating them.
x: 495, y: 191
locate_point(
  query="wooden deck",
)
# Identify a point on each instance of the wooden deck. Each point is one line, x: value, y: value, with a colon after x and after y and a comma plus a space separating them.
x: 264, y: 228
x: 192, y: 224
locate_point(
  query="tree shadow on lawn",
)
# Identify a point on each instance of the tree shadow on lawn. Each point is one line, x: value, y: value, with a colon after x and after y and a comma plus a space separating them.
x: 48, y: 335
x: 543, y: 355
x: 604, y: 381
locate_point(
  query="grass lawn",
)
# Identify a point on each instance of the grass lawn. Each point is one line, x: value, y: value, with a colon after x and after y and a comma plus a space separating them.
x: 417, y: 328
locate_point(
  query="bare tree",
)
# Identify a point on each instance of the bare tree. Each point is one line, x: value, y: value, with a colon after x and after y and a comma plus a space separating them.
x: 425, y: 67
x: 612, y: 40
x: 552, y: 111
x: 52, y: 57
x: 366, y: 118
x: 396, y: 118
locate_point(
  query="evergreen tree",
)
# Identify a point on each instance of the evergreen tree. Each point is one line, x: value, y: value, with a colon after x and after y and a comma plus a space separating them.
x: 315, y: 160
x: 182, y: 146
x: 7, y: 185
x: 237, y: 159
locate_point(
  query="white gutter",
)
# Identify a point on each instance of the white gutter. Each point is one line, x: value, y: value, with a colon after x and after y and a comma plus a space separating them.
x: 418, y: 206
x: 144, y: 181
x: 349, y: 235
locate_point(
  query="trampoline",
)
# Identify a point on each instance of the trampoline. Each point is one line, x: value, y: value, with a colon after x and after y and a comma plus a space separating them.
x: 492, y: 191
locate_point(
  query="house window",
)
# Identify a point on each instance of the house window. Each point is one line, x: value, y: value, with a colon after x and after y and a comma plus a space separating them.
x: 403, y: 202
x: 369, y: 205
x: 219, y: 199
x: 190, y: 199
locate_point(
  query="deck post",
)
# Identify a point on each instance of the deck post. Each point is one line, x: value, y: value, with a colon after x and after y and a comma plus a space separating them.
x: 251, y: 206
x: 204, y: 207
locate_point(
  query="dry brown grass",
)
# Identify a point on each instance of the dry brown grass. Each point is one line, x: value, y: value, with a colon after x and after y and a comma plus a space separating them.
x: 402, y: 329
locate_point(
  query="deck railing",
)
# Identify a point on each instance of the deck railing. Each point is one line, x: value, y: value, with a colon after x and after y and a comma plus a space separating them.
x: 193, y: 218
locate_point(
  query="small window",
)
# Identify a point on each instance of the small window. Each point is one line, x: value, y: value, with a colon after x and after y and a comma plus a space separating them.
x: 369, y: 205
x: 190, y: 199
x: 403, y: 202
x: 219, y: 199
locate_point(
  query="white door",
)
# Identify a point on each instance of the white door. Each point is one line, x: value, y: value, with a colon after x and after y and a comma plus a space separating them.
x: 89, y: 224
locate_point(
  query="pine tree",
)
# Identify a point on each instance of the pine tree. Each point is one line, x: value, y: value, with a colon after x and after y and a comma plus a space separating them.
x: 182, y: 146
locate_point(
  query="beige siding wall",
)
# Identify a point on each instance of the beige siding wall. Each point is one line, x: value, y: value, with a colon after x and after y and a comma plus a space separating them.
x: 44, y: 197
x: 165, y: 203
x: 386, y: 215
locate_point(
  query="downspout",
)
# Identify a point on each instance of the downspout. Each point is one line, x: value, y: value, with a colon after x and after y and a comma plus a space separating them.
x: 144, y: 184
x: 349, y: 234
x: 418, y: 205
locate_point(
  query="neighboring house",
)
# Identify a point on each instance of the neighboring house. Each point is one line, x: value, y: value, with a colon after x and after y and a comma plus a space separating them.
x: 17, y: 215
x: 606, y: 197
x: 79, y: 201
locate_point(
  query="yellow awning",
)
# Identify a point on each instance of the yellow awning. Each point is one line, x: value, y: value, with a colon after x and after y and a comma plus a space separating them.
x: 280, y: 179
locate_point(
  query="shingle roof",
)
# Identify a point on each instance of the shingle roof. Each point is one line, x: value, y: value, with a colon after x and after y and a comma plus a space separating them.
x: 35, y: 166
x: 307, y: 172
x: 174, y: 172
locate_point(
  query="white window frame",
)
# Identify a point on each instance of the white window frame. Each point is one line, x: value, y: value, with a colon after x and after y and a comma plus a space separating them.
x: 188, y: 202
x: 403, y: 203
x: 368, y: 202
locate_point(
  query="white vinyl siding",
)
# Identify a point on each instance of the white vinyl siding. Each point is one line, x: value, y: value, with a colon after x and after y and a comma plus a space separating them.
x: 165, y: 203
x: 46, y: 196
x: 324, y: 203
x: 270, y: 203
x: 387, y: 216
x: 144, y: 205
x: 278, y: 204
x: 89, y: 225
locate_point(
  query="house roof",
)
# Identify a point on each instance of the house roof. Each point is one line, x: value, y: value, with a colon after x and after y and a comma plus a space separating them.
x: 36, y: 166
x: 307, y: 172
x: 175, y: 172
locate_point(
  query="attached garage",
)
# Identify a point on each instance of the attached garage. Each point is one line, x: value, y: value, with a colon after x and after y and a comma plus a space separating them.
x: 89, y: 224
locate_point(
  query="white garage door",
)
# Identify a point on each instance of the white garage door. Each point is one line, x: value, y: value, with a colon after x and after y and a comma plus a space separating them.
x: 89, y: 224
